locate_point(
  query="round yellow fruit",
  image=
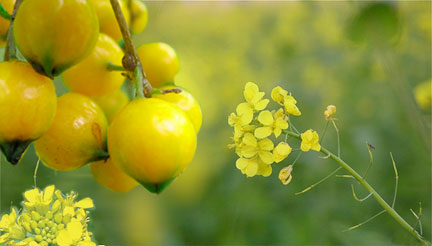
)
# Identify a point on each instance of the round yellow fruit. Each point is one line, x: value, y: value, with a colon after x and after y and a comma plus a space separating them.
x: 112, y: 104
x: 8, y: 5
x: 152, y: 141
x: 110, y: 176
x: 186, y: 102
x: 53, y: 35
x: 27, y: 107
x: 139, y: 15
x: 76, y: 137
x: 160, y: 63
x: 91, y: 77
x: 107, y: 20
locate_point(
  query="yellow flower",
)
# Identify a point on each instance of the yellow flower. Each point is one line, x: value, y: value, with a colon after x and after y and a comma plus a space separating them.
x: 310, y: 140
x: 290, y: 106
x: 281, y: 151
x: 254, y: 99
x: 253, y: 166
x: 330, y: 111
x: 48, y: 220
x: 278, y: 94
x: 39, y: 200
x: 422, y: 94
x: 252, y: 147
x: 272, y: 124
x: 8, y: 224
x: 285, y: 174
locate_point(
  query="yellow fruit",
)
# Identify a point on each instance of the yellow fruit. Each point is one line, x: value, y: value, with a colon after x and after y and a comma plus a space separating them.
x: 107, y: 20
x: 76, y: 137
x: 110, y: 176
x: 53, y: 35
x: 112, y: 104
x: 160, y: 63
x: 8, y: 5
x: 139, y: 15
x: 91, y: 77
x: 152, y: 141
x: 27, y: 107
x: 186, y: 102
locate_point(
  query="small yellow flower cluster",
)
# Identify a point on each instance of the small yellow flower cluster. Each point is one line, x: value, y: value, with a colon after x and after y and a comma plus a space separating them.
x: 329, y: 112
x: 48, y: 218
x: 253, y: 127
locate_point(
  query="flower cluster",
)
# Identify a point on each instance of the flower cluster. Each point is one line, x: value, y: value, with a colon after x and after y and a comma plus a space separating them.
x: 48, y: 218
x: 254, y: 125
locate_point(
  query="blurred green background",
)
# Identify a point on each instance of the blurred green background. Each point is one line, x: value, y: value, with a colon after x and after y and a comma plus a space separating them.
x: 340, y: 53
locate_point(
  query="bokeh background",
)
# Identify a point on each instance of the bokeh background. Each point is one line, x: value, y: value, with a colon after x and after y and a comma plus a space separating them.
x: 366, y: 62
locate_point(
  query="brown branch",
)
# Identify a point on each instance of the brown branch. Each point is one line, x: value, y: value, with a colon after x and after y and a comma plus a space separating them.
x: 131, y: 60
x: 10, y: 50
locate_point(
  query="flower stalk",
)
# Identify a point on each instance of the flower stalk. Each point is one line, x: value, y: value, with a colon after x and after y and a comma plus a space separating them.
x: 10, y: 50
x: 389, y: 209
x: 131, y: 61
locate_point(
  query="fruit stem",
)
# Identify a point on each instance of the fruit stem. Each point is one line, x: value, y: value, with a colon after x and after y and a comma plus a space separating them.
x: 113, y: 67
x: 4, y: 13
x: 131, y: 61
x: 10, y: 50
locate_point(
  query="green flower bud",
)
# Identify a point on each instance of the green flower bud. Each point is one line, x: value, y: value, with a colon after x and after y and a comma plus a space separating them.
x: 38, y: 238
x: 67, y: 218
x: 27, y: 227
x: 58, y: 218
x: 35, y: 216
x: 41, y: 224
x: 43, y: 243
x: 37, y: 231
x: 33, y: 224
x: 60, y: 227
x: 49, y: 215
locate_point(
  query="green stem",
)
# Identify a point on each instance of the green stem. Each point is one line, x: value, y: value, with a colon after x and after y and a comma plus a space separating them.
x: 10, y: 50
x: 113, y: 67
x: 131, y: 61
x: 368, y: 187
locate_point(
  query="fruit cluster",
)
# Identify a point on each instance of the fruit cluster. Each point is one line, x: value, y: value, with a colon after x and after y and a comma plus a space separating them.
x: 146, y: 140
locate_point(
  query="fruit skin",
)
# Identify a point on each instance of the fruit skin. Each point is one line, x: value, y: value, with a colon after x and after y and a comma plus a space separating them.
x: 139, y: 16
x: 152, y: 141
x: 76, y: 137
x: 186, y: 102
x: 112, y: 104
x: 53, y: 35
x: 110, y: 176
x: 28, y: 105
x: 4, y: 24
x: 160, y: 63
x: 91, y: 76
x: 107, y: 20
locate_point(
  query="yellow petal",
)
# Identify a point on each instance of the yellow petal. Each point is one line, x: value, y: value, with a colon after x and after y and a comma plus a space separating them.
x: 32, y: 195
x: 264, y: 169
x: 85, y: 203
x: 251, y: 169
x: 305, y: 146
x: 248, y: 151
x: 263, y: 132
x: 261, y: 104
x: 280, y: 123
x: 245, y: 113
x: 281, y: 151
x: 265, y: 118
x: 251, y: 89
x: 68, y: 211
x: 48, y: 193
x: 250, y: 140
x: 265, y: 144
x: 4, y: 237
x: 278, y: 94
x: 316, y: 147
x: 63, y: 238
x: 242, y: 163
x: 266, y: 157
x: 285, y: 175
x: 74, y: 229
